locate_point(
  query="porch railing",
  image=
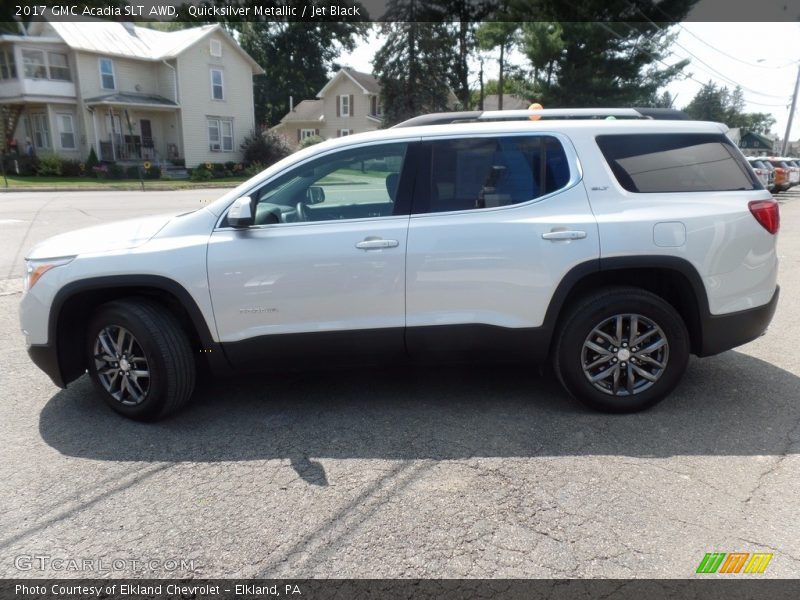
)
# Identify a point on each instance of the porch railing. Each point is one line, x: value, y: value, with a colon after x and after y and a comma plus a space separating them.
x: 129, y: 148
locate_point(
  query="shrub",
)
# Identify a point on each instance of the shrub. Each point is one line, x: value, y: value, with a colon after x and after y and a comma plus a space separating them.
x: 253, y: 169
x: 201, y: 173
x: 310, y: 141
x: 230, y: 166
x: 132, y: 172
x: 115, y: 171
x: 91, y: 161
x: 265, y: 147
x: 72, y: 168
x: 154, y: 172
x: 49, y: 166
x: 109, y: 171
x: 24, y: 166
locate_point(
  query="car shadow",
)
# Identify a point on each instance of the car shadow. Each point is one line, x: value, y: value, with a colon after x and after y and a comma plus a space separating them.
x: 729, y: 405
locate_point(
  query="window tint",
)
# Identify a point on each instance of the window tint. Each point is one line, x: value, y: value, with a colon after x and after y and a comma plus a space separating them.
x: 655, y: 163
x: 470, y: 173
x: 351, y: 184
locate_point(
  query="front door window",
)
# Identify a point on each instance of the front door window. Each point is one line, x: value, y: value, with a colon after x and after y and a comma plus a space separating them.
x: 351, y: 184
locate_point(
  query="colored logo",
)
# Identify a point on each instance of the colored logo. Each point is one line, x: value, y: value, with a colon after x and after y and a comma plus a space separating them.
x: 734, y: 562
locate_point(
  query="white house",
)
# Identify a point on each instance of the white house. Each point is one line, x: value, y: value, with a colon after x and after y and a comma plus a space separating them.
x: 133, y: 93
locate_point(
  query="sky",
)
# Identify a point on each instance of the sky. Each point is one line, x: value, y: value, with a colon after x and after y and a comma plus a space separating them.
x: 761, y: 57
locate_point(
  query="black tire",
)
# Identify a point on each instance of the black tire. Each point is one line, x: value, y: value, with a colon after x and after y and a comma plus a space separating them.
x: 601, y: 312
x: 158, y: 339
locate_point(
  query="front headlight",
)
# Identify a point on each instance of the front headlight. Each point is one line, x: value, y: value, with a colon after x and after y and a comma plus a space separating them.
x: 34, y: 269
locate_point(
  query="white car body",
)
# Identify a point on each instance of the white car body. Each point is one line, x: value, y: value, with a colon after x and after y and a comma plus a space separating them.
x: 504, y: 268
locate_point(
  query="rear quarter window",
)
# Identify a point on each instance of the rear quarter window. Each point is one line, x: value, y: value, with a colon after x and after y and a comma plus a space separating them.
x: 667, y: 162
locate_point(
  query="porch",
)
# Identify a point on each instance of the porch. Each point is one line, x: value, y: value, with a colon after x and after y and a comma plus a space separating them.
x: 134, y: 128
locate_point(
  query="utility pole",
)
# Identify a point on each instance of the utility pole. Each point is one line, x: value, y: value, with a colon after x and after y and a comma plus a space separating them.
x: 791, y: 113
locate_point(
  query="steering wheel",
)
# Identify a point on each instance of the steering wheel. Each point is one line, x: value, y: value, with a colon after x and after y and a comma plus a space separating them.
x: 301, y: 212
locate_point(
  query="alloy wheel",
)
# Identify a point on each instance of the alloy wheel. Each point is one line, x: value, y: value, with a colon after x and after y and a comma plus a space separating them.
x: 625, y: 354
x: 121, y: 365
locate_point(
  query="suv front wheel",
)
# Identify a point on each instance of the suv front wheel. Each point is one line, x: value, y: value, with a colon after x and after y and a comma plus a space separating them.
x: 621, y: 350
x: 140, y: 358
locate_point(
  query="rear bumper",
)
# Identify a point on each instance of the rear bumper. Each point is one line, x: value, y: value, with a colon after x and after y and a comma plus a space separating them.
x: 46, y: 358
x: 723, y: 332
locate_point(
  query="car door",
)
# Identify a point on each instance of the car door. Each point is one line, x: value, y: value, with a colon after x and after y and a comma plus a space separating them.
x: 496, y: 224
x: 321, y: 273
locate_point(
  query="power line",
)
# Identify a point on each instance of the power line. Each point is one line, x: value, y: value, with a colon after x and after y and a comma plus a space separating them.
x: 709, y: 67
x: 701, y: 40
x: 744, y: 62
x: 685, y: 75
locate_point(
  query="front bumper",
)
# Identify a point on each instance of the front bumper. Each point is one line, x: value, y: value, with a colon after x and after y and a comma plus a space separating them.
x: 723, y: 332
x: 46, y: 358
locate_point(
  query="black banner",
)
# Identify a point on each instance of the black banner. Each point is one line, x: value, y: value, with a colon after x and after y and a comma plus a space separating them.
x: 711, y: 588
x: 206, y: 11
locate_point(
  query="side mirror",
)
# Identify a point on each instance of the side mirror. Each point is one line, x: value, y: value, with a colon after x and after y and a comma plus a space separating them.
x: 315, y: 194
x: 241, y: 212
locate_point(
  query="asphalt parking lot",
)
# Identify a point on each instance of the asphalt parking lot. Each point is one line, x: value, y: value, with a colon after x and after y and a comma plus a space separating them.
x: 447, y: 473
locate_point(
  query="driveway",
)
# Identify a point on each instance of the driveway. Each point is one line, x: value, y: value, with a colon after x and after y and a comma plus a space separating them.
x: 400, y: 472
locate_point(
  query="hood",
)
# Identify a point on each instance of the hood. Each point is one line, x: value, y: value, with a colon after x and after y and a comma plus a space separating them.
x: 112, y: 237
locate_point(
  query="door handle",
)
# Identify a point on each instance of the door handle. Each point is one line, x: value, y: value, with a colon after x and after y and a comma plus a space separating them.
x: 372, y: 243
x: 564, y: 235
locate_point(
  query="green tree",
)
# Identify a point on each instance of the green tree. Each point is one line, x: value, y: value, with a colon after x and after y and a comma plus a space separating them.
x: 413, y: 65
x: 717, y: 103
x: 711, y: 103
x: 501, y: 36
x: 516, y: 82
x: 543, y: 45
x: 604, y: 64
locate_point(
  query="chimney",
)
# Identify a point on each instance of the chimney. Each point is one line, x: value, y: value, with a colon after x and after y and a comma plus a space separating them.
x: 291, y: 104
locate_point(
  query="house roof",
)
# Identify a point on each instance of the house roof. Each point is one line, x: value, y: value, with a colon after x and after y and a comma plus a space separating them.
x: 307, y: 110
x: 365, y: 81
x: 113, y: 38
x: 132, y: 99
x: 510, y: 102
x: 762, y: 140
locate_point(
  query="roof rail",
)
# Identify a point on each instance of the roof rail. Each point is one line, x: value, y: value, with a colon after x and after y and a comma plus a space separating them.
x: 477, y: 116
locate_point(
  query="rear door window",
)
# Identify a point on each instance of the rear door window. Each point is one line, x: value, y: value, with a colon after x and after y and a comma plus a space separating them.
x: 655, y: 163
x: 474, y: 173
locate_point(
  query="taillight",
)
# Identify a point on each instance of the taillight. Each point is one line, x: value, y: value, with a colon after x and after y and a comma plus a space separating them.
x: 767, y: 214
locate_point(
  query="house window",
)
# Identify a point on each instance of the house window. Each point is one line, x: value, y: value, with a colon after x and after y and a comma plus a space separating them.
x: 33, y: 60
x: 41, y: 130
x: 215, y: 48
x: 59, y: 67
x: 220, y: 135
x: 345, y: 105
x: 307, y: 133
x: 107, y: 79
x: 8, y: 68
x: 375, y: 108
x: 344, y: 132
x: 66, y: 130
x: 217, y: 91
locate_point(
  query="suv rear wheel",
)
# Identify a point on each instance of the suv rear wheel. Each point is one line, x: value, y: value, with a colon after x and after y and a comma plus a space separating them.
x: 140, y: 358
x: 621, y: 349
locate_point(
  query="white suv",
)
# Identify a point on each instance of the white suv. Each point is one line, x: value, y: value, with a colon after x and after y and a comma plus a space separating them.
x: 613, y: 246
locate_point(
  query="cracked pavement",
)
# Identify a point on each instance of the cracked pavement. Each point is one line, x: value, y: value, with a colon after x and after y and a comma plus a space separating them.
x: 399, y: 472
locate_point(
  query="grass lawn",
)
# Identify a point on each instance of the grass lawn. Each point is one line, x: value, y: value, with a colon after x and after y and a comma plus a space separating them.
x: 21, y: 184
